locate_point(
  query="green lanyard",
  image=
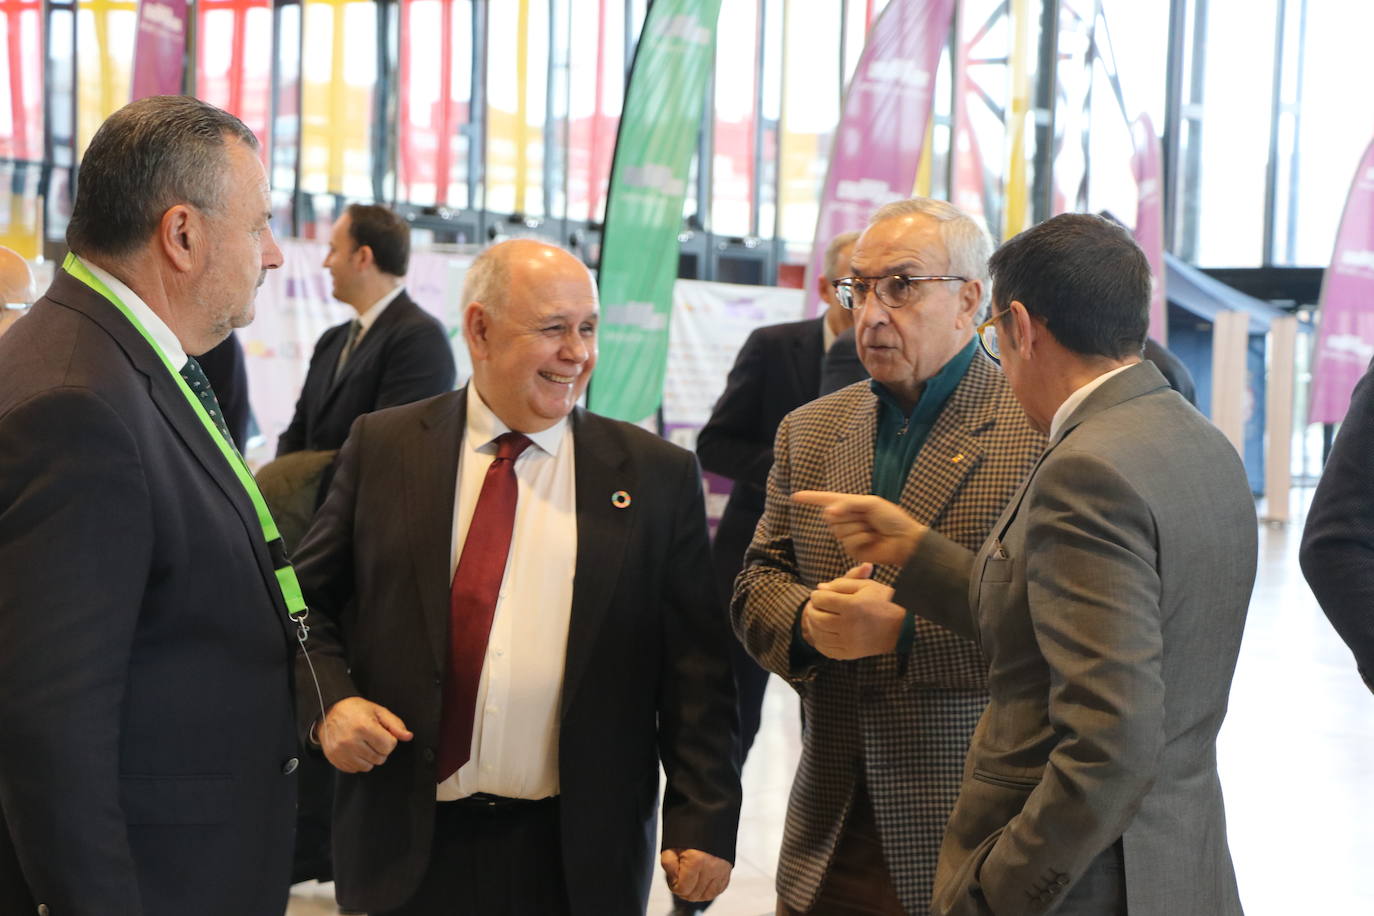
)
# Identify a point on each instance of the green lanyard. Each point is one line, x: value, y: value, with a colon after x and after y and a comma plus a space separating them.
x: 286, y: 576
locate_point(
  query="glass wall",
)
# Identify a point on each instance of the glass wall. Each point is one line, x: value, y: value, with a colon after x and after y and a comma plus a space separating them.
x: 474, y: 113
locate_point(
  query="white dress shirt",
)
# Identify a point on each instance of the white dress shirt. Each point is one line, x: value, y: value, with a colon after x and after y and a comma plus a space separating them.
x: 1080, y: 395
x: 155, y: 326
x: 515, y: 729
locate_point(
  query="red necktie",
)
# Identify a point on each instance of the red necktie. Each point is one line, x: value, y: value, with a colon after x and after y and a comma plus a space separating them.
x: 476, y: 587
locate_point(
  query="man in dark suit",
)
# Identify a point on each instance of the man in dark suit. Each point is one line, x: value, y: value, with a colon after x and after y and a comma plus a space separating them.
x: 777, y: 370
x: 393, y: 352
x: 518, y: 623
x: 145, y: 650
x: 1337, y: 554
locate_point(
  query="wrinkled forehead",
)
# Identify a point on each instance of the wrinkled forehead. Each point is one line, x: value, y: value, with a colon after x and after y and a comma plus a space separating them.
x: 552, y: 291
x: 908, y: 244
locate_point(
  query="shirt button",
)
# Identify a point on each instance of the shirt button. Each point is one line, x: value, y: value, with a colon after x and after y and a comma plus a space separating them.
x: 429, y: 755
x: 491, y: 710
x: 486, y: 768
x: 290, y: 765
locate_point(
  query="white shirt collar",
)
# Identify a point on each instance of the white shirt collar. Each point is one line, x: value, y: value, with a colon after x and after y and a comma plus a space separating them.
x: 369, y: 317
x: 483, y: 426
x: 1072, y: 402
x: 157, y: 328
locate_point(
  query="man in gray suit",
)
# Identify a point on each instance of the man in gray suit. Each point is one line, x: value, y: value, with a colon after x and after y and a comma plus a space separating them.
x: 1109, y: 600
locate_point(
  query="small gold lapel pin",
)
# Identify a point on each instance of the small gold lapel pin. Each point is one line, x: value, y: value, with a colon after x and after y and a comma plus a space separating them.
x: 620, y: 499
x: 957, y: 458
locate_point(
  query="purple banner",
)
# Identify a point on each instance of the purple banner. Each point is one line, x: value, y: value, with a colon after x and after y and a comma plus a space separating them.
x: 1345, y: 341
x: 1147, y: 165
x: 159, y: 48
x: 877, y: 145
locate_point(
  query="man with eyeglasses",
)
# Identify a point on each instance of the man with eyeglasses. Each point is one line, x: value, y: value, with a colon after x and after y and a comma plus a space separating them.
x: 1109, y: 600
x: 938, y: 432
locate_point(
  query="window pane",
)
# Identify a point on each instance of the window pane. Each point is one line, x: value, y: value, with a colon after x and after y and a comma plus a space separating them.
x: 435, y: 91
x: 339, y: 70
x: 732, y: 168
x: 1235, y: 131
x: 104, y: 35
x: 517, y: 73
x: 232, y: 71
x: 810, y: 110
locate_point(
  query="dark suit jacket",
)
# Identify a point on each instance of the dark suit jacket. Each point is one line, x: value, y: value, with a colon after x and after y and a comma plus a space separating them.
x: 842, y: 366
x: 1337, y: 552
x: 647, y: 676
x: 777, y: 370
x: 403, y: 357
x: 145, y: 679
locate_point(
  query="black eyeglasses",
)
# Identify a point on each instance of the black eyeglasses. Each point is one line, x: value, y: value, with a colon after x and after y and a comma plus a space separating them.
x: 895, y: 291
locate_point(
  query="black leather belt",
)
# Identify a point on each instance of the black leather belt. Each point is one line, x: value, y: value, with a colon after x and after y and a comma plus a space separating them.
x: 484, y: 802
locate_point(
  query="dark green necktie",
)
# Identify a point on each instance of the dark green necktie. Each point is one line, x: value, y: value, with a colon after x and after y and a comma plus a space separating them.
x: 200, y: 387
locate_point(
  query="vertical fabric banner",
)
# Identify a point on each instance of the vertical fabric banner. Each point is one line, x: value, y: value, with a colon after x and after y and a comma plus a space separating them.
x: 877, y: 145
x: 159, y: 48
x: 639, y: 249
x: 1345, y: 340
x: 1146, y: 165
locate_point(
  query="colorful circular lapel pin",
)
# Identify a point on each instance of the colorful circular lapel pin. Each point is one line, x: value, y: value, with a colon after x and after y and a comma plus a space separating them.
x: 620, y: 499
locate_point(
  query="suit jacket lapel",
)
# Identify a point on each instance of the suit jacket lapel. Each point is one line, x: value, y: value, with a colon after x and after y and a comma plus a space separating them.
x: 369, y: 342
x: 850, y: 468
x: 431, y: 482
x: 602, y: 467
x: 166, y: 394
x: 953, y: 448
x: 1142, y: 378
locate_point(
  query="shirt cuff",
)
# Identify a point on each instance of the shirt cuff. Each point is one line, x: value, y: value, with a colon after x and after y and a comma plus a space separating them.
x: 802, y: 654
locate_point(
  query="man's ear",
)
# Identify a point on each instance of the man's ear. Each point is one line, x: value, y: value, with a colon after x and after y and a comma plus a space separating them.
x: 476, y: 326
x: 970, y: 298
x: 364, y: 255
x: 181, y: 236
x: 1027, y: 329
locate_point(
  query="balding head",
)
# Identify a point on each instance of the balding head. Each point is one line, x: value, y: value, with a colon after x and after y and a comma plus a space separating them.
x: 16, y: 287
x: 16, y: 279
x: 530, y: 326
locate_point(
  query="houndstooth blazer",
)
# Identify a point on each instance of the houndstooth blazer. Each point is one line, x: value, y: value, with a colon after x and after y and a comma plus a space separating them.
x: 898, y: 726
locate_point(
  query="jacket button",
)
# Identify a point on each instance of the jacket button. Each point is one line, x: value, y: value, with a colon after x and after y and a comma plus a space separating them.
x: 429, y: 755
x: 290, y: 766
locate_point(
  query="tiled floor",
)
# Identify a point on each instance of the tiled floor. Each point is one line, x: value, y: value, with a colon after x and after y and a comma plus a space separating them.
x: 1297, y: 764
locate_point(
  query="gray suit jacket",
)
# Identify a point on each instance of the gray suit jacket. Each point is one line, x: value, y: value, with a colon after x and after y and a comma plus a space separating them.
x: 1109, y: 601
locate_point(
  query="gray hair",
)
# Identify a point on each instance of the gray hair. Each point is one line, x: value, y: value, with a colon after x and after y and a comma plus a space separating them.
x: 147, y: 157
x: 487, y: 279
x: 966, y: 241
x: 832, y: 252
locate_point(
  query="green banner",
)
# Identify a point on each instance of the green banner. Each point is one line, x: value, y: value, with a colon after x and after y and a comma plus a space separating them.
x: 639, y: 248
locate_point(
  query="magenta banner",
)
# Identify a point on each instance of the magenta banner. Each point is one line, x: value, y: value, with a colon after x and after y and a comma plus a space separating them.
x: 1147, y: 165
x: 877, y: 145
x: 1345, y: 340
x: 159, y: 48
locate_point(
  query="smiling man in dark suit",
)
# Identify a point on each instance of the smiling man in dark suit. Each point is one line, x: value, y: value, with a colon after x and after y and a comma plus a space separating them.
x: 393, y: 352
x: 148, y: 758
x: 519, y: 624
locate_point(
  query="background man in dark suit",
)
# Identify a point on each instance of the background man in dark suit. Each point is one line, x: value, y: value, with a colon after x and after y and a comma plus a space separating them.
x: 1109, y: 600
x: 1337, y: 553
x: 145, y: 680
x: 518, y: 624
x: 777, y: 370
x: 393, y: 352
